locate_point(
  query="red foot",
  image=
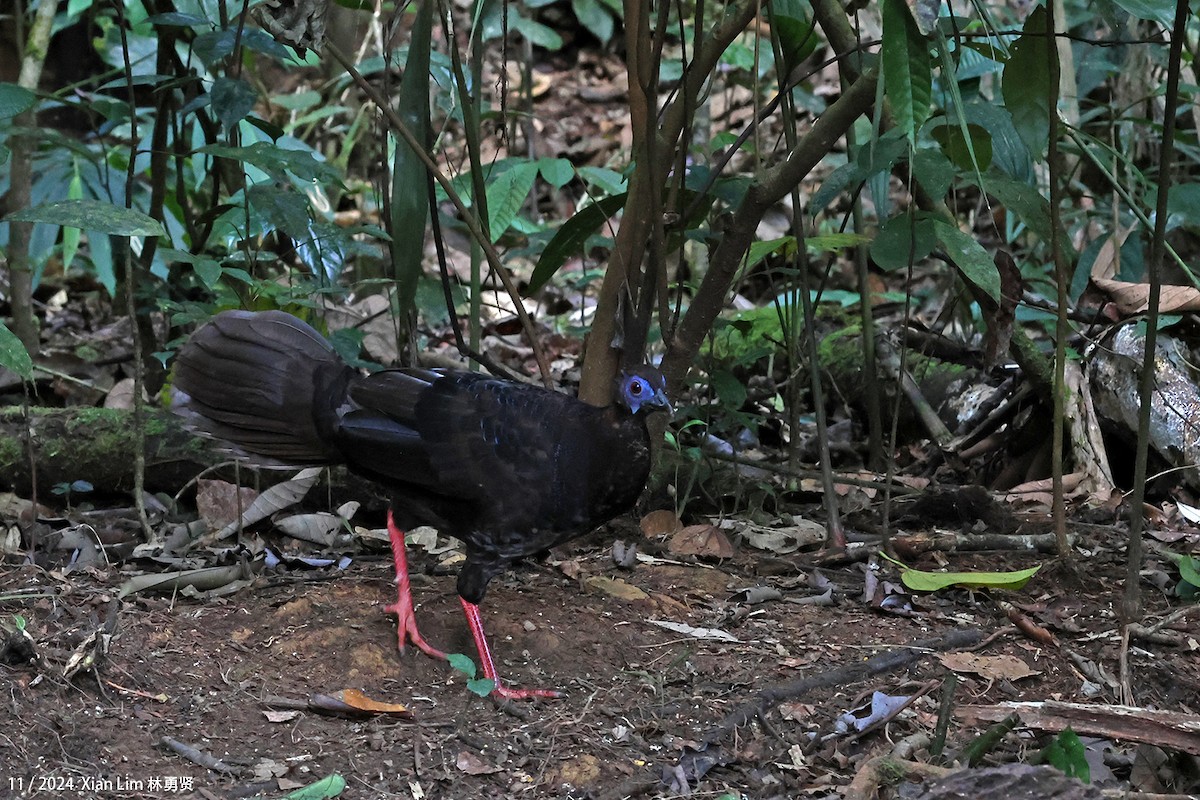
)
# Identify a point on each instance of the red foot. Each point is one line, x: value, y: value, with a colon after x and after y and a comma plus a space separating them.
x: 406, y: 629
x: 489, y: 669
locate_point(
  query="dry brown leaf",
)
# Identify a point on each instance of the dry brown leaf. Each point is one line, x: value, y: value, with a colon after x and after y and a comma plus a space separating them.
x: 1134, y: 298
x: 360, y: 702
x: 616, y: 588
x: 1003, y: 667
x: 472, y: 764
x: 660, y: 523
x: 701, y: 540
x: 217, y: 502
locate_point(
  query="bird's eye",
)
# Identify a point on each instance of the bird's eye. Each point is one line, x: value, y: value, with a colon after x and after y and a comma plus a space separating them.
x: 635, y: 388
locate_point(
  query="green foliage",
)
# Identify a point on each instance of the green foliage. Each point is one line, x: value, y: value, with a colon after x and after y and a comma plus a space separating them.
x: 464, y: 664
x: 13, y: 354
x: 1189, y: 575
x: 1067, y: 753
x: 907, y: 75
x: 923, y: 581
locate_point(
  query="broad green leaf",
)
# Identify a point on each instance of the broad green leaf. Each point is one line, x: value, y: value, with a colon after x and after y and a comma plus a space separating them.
x: 537, y: 33
x: 965, y: 153
x: 330, y: 786
x: 907, y: 75
x: 1160, y: 11
x: 15, y: 99
x: 894, y: 246
x: 557, y: 172
x: 921, y: 581
x: 971, y: 259
x: 595, y: 17
x: 606, y: 180
x: 785, y: 245
x: 933, y: 171
x: 213, y: 46
x: 1189, y: 568
x: 275, y: 161
x: 231, y: 100
x: 1026, y: 202
x: 506, y: 194
x: 410, y: 179
x: 285, y: 210
x: 791, y: 22
x: 13, y: 354
x: 461, y: 663
x: 870, y: 158
x: 176, y: 19
x: 481, y: 686
x: 1026, y: 84
x: 570, y: 238
x: 92, y: 215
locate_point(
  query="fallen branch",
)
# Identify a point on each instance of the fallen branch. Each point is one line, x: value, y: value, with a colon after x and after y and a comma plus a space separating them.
x: 1168, y: 729
x: 889, y: 661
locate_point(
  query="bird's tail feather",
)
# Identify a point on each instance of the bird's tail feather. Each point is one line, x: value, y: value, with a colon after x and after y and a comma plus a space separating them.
x: 266, y: 383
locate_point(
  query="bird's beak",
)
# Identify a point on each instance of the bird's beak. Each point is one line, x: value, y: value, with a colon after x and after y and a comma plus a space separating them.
x: 659, y: 400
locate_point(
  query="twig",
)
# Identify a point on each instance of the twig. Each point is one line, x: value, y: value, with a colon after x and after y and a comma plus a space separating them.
x: 884, y: 662
x: 195, y: 756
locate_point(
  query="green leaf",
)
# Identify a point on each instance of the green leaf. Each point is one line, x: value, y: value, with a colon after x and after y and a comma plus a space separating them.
x: 570, y: 238
x: 1067, y: 753
x: 730, y: 391
x: 971, y: 259
x: 275, y: 161
x: 933, y: 171
x: 71, y: 236
x: 1026, y: 84
x: 92, y: 215
x: 285, y: 210
x: 506, y: 194
x: 481, y: 686
x: 13, y: 355
x: 966, y: 153
x: 327, y: 787
x: 907, y: 75
x: 1189, y: 568
x: 178, y: 20
x: 557, y: 172
x: 595, y: 17
x: 462, y: 663
x: 15, y: 99
x: 537, y: 33
x: 791, y: 22
x: 1160, y: 11
x: 1030, y: 206
x: 894, y: 246
x: 231, y: 100
x: 410, y: 180
x: 921, y: 581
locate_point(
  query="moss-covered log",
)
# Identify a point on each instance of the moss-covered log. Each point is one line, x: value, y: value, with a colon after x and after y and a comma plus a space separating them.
x: 96, y: 445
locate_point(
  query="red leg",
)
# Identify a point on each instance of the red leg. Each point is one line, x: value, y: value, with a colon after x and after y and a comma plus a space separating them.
x: 485, y: 657
x: 406, y: 630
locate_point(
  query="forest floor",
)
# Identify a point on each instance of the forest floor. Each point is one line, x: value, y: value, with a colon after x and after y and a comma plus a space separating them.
x: 643, y: 705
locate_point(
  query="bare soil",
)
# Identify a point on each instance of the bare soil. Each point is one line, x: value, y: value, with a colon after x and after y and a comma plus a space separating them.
x: 639, y: 701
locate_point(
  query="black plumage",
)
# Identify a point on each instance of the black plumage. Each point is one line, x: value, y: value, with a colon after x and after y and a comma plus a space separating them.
x: 511, y: 469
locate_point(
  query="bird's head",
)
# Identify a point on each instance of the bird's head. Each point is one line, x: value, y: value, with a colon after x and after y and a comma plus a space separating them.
x: 643, y: 388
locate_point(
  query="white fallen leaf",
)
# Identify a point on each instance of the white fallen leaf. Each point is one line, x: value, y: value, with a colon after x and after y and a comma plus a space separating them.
x: 695, y: 633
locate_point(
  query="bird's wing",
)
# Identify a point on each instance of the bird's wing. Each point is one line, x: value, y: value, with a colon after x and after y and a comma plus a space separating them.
x: 461, y: 435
